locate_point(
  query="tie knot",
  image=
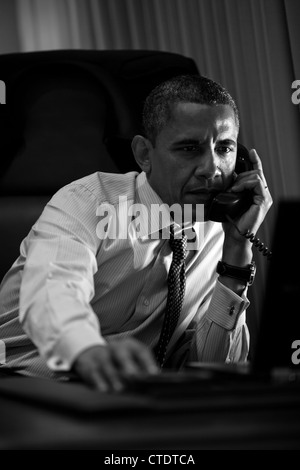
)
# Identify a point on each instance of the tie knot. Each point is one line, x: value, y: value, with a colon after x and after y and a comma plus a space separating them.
x: 178, y: 245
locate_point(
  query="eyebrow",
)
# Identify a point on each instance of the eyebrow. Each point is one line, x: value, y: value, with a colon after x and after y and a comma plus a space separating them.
x: 185, y: 142
x: 228, y: 142
x: 196, y: 142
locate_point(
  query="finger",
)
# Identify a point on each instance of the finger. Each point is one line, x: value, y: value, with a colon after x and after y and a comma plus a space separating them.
x: 135, y: 357
x: 255, y: 160
x: 146, y: 360
x: 96, y: 381
x: 111, y: 375
x: 248, y: 181
x: 125, y: 361
x: 255, y: 184
x: 241, y: 177
x: 99, y: 380
x: 257, y: 165
x: 96, y: 368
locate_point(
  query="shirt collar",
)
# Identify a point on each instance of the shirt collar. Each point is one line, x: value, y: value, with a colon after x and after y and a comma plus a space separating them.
x: 152, y: 223
x: 155, y: 219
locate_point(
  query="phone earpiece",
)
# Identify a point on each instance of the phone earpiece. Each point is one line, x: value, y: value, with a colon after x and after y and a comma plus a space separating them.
x: 233, y: 204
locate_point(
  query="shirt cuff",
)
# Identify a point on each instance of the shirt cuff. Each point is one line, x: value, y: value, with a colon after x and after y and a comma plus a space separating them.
x: 226, y: 306
x: 73, y: 342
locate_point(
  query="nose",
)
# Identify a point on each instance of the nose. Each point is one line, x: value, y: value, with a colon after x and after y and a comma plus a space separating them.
x: 208, y: 165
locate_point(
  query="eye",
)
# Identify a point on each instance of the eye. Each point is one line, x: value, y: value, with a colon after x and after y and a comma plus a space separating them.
x: 224, y: 149
x: 190, y: 148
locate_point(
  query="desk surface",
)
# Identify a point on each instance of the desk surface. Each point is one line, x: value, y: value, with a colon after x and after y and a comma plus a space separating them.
x: 192, y: 414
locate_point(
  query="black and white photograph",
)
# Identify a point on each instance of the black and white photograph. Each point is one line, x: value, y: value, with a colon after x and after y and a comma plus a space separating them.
x: 149, y: 197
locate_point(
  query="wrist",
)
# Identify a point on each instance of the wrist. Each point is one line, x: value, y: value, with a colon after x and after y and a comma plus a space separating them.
x: 237, y: 254
x: 234, y: 277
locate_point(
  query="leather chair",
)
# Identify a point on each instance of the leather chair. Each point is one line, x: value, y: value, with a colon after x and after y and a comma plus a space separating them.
x: 68, y: 114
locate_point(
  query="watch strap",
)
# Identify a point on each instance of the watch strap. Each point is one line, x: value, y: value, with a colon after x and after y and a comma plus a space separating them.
x: 246, y: 274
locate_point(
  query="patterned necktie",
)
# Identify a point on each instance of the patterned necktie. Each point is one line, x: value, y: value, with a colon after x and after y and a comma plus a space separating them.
x: 176, y: 289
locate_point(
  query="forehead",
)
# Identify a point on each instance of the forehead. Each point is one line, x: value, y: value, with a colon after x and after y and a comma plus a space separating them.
x: 201, y: 117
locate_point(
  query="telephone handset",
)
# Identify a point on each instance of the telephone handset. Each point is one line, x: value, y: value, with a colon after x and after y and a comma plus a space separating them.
x: 228, y: 206
x: 233, y: 204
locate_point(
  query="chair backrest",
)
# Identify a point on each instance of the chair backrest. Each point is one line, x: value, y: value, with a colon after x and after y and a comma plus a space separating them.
x: 68, y: 114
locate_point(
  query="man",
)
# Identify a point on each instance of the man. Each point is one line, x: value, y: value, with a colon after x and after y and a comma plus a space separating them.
x: 88, y: 293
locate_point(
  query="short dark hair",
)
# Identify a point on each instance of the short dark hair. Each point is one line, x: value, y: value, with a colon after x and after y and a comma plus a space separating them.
x: 183, y: 88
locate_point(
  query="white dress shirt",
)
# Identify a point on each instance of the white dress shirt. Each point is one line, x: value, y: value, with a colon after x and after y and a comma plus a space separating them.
x: 71, y: 288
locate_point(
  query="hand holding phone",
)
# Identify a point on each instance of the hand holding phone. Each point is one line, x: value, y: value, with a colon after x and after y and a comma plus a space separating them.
x: 228, y: 206
x: 230, y: 203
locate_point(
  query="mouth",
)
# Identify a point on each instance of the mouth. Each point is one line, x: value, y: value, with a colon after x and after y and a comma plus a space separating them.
x: 202, y: 194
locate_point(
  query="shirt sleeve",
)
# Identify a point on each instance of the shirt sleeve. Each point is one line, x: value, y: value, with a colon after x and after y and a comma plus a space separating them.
x: 220, y: 335
x: 57, y: 281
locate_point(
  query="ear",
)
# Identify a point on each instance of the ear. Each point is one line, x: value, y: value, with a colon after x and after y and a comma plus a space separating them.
x: 142, y: 148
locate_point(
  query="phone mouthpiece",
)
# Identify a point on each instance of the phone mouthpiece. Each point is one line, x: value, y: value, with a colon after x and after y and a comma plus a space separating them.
x: 231, y: 204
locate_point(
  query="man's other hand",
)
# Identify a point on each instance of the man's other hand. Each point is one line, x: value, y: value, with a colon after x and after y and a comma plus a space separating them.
x: 104, y: 367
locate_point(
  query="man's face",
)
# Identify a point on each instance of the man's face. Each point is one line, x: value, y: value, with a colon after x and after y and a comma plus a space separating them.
x: 194, y: 155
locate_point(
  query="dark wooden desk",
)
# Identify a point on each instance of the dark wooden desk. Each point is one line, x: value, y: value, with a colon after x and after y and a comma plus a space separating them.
x: 41, y: 414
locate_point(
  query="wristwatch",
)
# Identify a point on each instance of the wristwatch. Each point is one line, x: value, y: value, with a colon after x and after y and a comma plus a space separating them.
x: 243, y: 274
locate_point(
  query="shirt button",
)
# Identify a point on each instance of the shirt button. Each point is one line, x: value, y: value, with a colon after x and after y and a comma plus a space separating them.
x: 146, y: 302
